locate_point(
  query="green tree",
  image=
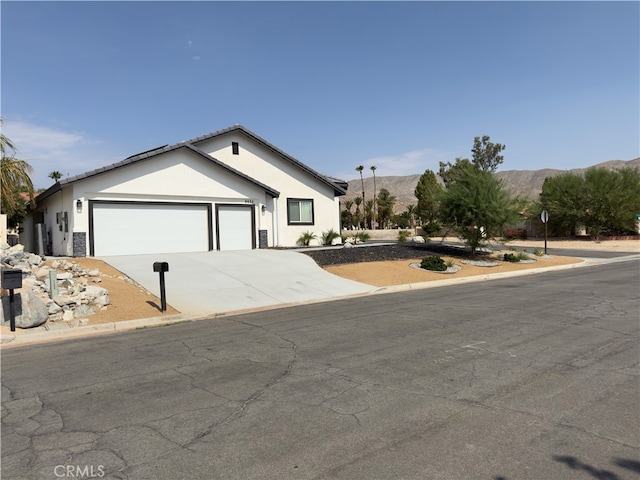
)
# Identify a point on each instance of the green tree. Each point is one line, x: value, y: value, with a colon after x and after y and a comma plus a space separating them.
x: 603, y: 201
x: 356, y: 217
x: 347, y: 215
x: 449, y: 172
x: 386, y: 201
x: 477, y: 207
x: 486, y: 155
x: 369, y: 214
x: 55, y: 175
x: 563, y: 198
x: 428, y: 192
x: 373, y: 169
x: 359, y: 169
x: 14, y: 178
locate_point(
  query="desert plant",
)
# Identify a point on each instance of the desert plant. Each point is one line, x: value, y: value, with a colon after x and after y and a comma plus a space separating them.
x: 538, y: 253
x: 434, y: 263
x: 515, y: 257
x: 306, y: 238
x: 362, y: 236
x: 329, y: 236
x: 403, y: 235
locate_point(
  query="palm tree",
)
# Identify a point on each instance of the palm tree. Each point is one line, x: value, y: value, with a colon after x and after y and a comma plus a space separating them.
x: 349, y: 216
x: 373, y: 169
x: 358, y: 202
x: 360, y: 168
x: 14, y: 177
x: 55, y: 175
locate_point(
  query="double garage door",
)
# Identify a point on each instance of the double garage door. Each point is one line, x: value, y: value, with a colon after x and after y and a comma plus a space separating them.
x: 134, y: 228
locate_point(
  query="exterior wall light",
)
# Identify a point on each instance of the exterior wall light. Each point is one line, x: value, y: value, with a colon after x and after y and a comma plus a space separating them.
x: 263, y: 209
x: 79, y: 206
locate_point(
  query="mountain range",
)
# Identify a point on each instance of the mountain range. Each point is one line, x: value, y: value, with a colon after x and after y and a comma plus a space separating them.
x: 521, y: 183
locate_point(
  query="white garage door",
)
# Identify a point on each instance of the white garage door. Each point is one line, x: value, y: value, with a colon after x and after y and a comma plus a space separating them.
x: 235, y: 227
x: 141, y: 228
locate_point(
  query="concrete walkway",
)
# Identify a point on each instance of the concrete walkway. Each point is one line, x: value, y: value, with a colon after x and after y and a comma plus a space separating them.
x: 218, y: 282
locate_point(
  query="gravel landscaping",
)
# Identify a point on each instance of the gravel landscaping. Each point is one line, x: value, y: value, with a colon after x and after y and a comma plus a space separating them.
x: 372, y: 252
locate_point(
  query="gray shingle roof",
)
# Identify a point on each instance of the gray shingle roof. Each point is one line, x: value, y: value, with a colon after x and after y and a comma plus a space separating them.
x: 339, y: 186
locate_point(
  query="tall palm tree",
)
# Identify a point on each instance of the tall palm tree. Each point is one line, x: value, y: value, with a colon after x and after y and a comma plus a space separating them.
x: 14, y: 177
x: 360, y: 168
x: 55, y: 175
x: 358, y: 202
x: 375, y: 201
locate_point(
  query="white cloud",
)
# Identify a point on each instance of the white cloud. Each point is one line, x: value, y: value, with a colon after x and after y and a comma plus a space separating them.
x: 48, y: 149
x: 407, y: 163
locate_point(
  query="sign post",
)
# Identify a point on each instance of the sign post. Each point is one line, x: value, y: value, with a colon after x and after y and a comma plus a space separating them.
x: 544, y: 216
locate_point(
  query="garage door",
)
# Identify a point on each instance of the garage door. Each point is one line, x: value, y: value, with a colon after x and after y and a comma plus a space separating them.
x: 235, y: 227
x: 130, y: 228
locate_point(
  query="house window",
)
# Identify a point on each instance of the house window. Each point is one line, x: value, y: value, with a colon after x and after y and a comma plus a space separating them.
x: 235, y: 148
x: 299, y: 211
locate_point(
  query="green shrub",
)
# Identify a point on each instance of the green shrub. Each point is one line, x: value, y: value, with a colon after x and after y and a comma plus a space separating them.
x: 538, y: 252
x: 510, y: 257
x: 432, y: 229
x: 306, y: 238
x: 515, y: 257
x: 329, y: 236
x: 362, y: 236
x: 403, y: 235
x: 434, y: 263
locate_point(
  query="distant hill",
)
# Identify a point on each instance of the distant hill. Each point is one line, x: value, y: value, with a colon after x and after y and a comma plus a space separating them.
x: 523, y: 183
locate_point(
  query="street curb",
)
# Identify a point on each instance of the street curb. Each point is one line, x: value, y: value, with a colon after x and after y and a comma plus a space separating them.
x: 10, y: 341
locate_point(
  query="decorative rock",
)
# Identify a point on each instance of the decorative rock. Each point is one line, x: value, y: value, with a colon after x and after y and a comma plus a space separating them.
x: 54, y: 308
x: 83, y: 311
x: 64, y: 300
x: 347, y: 245
x: 29, y: 310
x: 41, y: 274
x: 92, y: 291
x: 93, y: 272
x: 417, y: 239
x: 102, y: 301
x: 67, y: 316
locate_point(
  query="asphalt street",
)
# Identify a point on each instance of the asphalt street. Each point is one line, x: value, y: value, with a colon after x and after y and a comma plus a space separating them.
x: 533, y: 377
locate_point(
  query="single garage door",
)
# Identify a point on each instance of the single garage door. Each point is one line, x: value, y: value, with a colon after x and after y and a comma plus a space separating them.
x: 131, y: 228
x: 234, y: 227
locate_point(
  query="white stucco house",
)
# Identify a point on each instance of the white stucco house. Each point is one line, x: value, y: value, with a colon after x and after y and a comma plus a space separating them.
x: 228, y: 190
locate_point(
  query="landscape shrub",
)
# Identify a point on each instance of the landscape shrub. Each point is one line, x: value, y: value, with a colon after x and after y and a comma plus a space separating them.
x: 306, y: 238
x: 403, y: 235
x: 514, y: 233
x: 515, y: 257
x: 362, y: 236
x: 432, y: 229
x: 329, y: 236
x: 435, y: 263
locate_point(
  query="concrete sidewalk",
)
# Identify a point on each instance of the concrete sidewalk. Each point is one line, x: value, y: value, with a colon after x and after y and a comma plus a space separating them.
x: 218, y: 282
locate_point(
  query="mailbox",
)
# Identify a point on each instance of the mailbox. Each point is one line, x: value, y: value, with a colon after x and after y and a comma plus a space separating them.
x: 11, y: 278
x: 160, y: 266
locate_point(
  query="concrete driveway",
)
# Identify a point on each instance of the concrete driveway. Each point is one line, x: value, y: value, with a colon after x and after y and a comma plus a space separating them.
x: 217, y: 282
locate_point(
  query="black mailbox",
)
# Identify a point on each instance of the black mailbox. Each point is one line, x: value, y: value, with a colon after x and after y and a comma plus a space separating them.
x: 11, y: 278
x: 160, y: 266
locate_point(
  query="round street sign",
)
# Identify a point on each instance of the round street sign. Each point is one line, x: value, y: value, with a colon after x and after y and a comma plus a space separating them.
x: 544, y: 216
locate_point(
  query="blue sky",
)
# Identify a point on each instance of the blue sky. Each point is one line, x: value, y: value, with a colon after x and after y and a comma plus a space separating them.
x: 399, y: 85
